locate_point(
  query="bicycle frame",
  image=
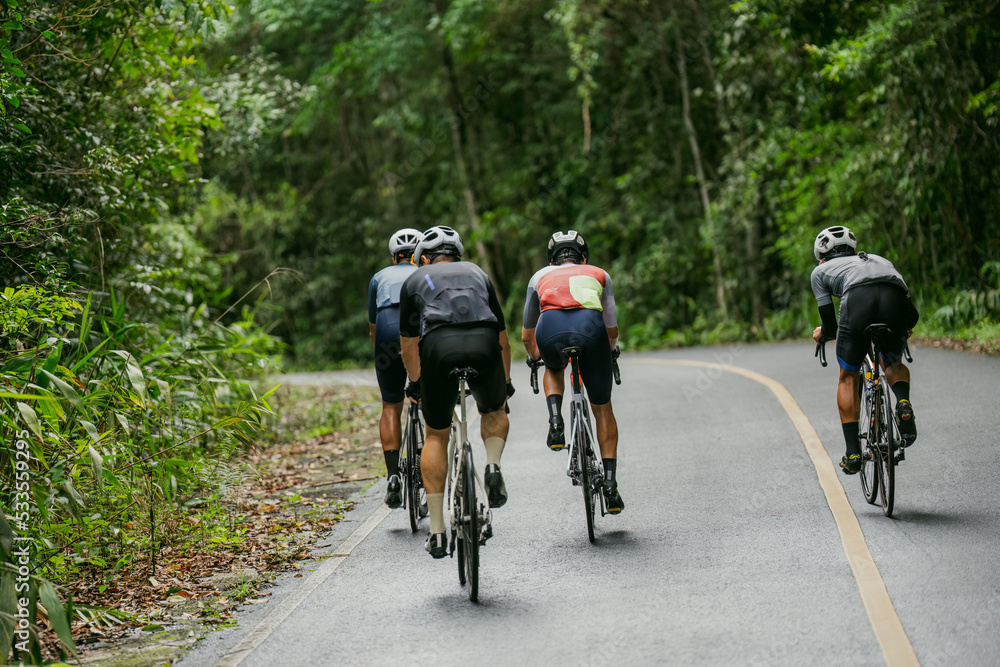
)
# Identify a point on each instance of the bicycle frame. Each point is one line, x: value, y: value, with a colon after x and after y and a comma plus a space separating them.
x: 579, y: 412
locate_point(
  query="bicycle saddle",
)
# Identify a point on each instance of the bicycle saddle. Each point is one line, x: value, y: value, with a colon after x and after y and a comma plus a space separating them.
x: 463, y: 373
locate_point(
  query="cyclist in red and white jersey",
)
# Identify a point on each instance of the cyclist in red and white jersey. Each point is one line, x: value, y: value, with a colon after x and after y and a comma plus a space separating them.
x: 571, y: 303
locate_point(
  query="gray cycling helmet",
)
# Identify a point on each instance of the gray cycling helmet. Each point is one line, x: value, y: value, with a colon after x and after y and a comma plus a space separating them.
x: 572, y: 243
x: 833, y: 242
x: 404, y: 241
x: 439, y: 240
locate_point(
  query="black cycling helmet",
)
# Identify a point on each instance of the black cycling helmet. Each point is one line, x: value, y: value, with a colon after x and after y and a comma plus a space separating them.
x: 568, y: 245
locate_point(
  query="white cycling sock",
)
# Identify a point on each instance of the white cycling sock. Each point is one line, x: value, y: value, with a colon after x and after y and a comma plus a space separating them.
x: 435, y: 509
x: 494, y: 448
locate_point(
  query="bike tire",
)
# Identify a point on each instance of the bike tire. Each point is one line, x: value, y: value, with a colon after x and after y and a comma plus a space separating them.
x: 868, y: 432
x: 409, y: 449
x: 469, y: 529
x: 585, y: 454
x: 888, y: 471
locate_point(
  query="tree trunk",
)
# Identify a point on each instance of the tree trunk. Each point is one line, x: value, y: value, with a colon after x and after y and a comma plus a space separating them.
x: 706, y: 203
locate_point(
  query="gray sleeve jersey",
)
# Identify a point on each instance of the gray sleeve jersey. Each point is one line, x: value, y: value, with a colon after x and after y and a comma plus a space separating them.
x: 836, y: 276
x: 386, y: 284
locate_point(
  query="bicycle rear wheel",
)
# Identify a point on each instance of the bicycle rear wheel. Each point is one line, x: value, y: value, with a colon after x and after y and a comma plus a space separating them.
x: 868, y: 434
x: 413, y: 443
x: 887, y: 470
x: 468, y: 529
x: 585, y: 454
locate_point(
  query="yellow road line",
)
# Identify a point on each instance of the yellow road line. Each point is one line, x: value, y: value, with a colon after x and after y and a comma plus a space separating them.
x: 885, y: 622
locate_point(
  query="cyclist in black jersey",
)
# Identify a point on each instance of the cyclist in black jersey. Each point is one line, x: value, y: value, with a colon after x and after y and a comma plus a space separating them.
x: 871, y: 291
x: 383, y: 329
x: 450, y: 318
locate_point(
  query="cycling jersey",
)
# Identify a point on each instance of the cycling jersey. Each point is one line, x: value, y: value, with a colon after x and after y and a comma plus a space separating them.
x: 383, y: 312
x: 455, y: 294
x: 568, y: 286
x: 836, y: 276
x: 384, y: 287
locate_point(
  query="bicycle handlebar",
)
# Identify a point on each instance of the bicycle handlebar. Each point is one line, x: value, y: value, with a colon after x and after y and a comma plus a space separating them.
x: 906, y: 353
x: 821, y: 352
x: 534, y: 366
x: 614, y: 364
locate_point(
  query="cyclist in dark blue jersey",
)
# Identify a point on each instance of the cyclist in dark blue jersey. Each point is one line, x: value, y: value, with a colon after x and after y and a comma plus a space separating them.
x: 871, y: 291
x: 383, y: 329
x: 450, y: 317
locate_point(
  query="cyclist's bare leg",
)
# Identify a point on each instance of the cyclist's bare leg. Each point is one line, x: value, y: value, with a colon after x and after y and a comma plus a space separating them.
x: 494, y: 427
x: 607, y: 430
x: 897, y: 372
x: 434, y: 459
x: 848, y: 399
x: 554, y: 381
x: 434, y: 468
x: 389, y: 430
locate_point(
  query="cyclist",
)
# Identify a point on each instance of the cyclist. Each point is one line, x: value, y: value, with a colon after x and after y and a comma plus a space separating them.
x: 450, y: 318
x: 572, y: 303
x: 383, y: 329
x: 870, y: 291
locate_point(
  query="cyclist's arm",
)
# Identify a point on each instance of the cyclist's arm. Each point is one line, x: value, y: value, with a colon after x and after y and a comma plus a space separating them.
x: 410, y: 349
x: 372, y: 309
x: 529, y: 320
x: 530, y: 345
x: 505, y: 353
x: 828, y: 316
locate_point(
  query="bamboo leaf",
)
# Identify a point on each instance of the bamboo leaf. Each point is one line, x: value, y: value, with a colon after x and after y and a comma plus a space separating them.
x: 6, y: 542
x: 71, y: 394
x: 30, y: 418
x: 91, y: 431
x: 57, y: 615
x: 8, y: 607
x: 138, y: 381
x: 97, y: 465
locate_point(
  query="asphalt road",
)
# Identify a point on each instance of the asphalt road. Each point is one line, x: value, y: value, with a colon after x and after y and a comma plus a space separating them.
x: 728, y: 551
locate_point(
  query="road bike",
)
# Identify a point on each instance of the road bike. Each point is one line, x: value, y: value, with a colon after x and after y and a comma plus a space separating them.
x: 881, y: 444
x: 584, y: 466
x: 414, y: 496
x: 470, y: 517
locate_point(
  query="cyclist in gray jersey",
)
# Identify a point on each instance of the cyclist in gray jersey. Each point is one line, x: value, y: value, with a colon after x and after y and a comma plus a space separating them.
x: 450, y: 318
x: 383, y: 329
x: 871, y: 291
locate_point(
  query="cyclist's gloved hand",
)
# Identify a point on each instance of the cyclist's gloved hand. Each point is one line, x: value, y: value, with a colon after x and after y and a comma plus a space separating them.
x: 412, y: 390
x: 615, y: 353
x: 510, y: 388
x: 534, y: 363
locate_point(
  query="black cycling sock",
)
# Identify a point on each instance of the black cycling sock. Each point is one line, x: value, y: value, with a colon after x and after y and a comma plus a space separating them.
x: 901, y: 390
x: 851, y: 437
x: 391, y: 462
x: 610, y: 466
x: 555, y: 405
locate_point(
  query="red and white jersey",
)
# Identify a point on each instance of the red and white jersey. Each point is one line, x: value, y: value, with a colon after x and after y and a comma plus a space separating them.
x: 570, y: 286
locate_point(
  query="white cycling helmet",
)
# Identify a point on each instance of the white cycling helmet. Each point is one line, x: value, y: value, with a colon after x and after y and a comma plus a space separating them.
x: 405, y: 239
x: 439, y: 240
x: 831, y: 238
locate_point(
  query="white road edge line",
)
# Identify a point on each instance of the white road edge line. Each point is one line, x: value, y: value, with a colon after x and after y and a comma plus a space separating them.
x: 238, y: 653
x: 896, y: 646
